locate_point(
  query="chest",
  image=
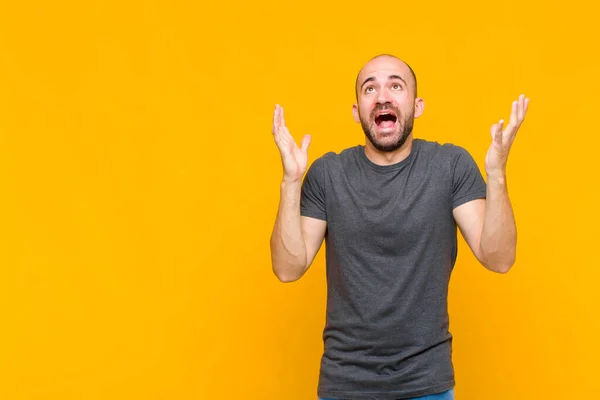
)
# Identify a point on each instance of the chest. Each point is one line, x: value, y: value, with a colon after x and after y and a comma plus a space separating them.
x: 394, y: 208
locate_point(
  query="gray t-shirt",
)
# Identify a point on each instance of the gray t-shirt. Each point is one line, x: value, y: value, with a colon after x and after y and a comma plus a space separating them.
x: 391, y: 245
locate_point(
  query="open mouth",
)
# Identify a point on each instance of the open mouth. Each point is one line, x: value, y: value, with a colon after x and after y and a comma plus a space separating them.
x: 385, y: 119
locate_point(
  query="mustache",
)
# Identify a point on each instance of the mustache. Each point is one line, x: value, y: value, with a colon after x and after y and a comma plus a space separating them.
x: 385, y: 107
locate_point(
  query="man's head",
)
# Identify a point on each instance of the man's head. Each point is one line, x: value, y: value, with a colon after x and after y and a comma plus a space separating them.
x: 387, y: 102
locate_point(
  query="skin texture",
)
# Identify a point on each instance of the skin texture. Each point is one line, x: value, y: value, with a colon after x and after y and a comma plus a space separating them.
x: 387, y: 83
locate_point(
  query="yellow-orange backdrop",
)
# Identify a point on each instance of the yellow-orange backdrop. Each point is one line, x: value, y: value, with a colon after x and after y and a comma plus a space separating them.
x: 139, y: 183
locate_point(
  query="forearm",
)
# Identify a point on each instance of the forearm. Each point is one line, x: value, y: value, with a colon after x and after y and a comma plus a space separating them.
x: 499, y: 236
x: 288, y: 250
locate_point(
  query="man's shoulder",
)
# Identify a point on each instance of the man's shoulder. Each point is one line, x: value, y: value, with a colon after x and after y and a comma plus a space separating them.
x: 440, y: 149
x: 435, y: 145
x: 332, y: 157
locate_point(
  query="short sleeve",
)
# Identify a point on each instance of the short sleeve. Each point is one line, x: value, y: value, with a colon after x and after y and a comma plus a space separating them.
x: 467, y: 183
x: 312, y: 200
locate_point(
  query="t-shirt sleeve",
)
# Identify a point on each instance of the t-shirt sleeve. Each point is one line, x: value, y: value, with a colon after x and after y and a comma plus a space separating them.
x: 312, y: 200
x: 468, y: 183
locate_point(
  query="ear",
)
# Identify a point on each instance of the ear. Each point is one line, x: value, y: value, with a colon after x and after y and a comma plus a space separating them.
x: 419, y: 107
x: 355, y: 113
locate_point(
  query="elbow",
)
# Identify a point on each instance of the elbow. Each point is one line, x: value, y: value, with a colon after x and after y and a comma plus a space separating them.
x: 287, y: 268
x: 501, y: 266
x: 499, y: 262
x: 287, y: 271
x: 286, y: 276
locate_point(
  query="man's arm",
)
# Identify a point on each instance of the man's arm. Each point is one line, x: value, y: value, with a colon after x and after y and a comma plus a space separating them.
x: 295, y: 240
x: 488, y: 226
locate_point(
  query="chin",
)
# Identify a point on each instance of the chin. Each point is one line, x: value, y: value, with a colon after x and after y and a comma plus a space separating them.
x: 387, y: 142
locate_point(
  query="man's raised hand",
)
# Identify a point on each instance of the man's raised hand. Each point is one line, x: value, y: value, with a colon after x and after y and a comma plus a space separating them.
x: 293, y: 158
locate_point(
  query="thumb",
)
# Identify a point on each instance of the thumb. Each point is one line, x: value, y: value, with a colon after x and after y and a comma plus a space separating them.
x: 496, y: 131
x: 305, y: 143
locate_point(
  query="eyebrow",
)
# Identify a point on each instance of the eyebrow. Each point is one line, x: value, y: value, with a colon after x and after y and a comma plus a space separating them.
x: 372, y: 78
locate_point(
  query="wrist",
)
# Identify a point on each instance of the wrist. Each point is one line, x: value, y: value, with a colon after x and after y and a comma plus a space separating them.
x: 496, y: 176
x: 291, y: 182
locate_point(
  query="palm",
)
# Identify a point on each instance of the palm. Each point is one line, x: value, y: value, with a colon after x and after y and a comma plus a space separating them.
x: 294, y: 158
x: 502, y: 140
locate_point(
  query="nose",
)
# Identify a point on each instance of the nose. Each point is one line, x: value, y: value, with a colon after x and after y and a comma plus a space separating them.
x: 383, y: 96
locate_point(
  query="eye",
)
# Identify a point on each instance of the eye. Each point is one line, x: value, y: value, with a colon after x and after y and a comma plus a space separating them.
x: 369, y: 89
x: 396, y: 86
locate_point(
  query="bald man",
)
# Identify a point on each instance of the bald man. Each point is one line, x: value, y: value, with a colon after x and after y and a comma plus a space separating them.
x: 388, y: 212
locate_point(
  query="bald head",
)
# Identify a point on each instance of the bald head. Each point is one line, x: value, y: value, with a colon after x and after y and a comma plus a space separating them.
x: 386, y: 61
x: 386, y: 83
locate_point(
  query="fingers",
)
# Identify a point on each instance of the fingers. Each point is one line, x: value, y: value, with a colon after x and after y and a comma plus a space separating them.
x: 521, y: 108
x: 276, y: 119
x: 278, y: 127
x: 517, y: 115
x: 522, y: 105
x: 282, y: 135
x: 278, y: 132
x: 514, y: 113
x: 513, y: 122
x: 496, y: 131
x: 305, y: 143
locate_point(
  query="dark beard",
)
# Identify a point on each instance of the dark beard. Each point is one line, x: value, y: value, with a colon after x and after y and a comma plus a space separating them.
x: 406, y: 127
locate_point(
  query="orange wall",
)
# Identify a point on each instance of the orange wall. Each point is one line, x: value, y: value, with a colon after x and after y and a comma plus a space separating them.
x: 139, y: 183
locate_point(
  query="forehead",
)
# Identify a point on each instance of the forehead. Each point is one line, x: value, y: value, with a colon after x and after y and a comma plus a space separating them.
x: 381, y: 68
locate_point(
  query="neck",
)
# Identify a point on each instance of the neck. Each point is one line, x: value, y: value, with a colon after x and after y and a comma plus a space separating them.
x: 391, y: 157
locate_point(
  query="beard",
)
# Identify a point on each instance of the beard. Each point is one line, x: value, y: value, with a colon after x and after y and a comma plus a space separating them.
x: 403, y: 130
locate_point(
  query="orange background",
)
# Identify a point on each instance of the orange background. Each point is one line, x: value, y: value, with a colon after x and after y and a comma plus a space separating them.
x: 139, y: 184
